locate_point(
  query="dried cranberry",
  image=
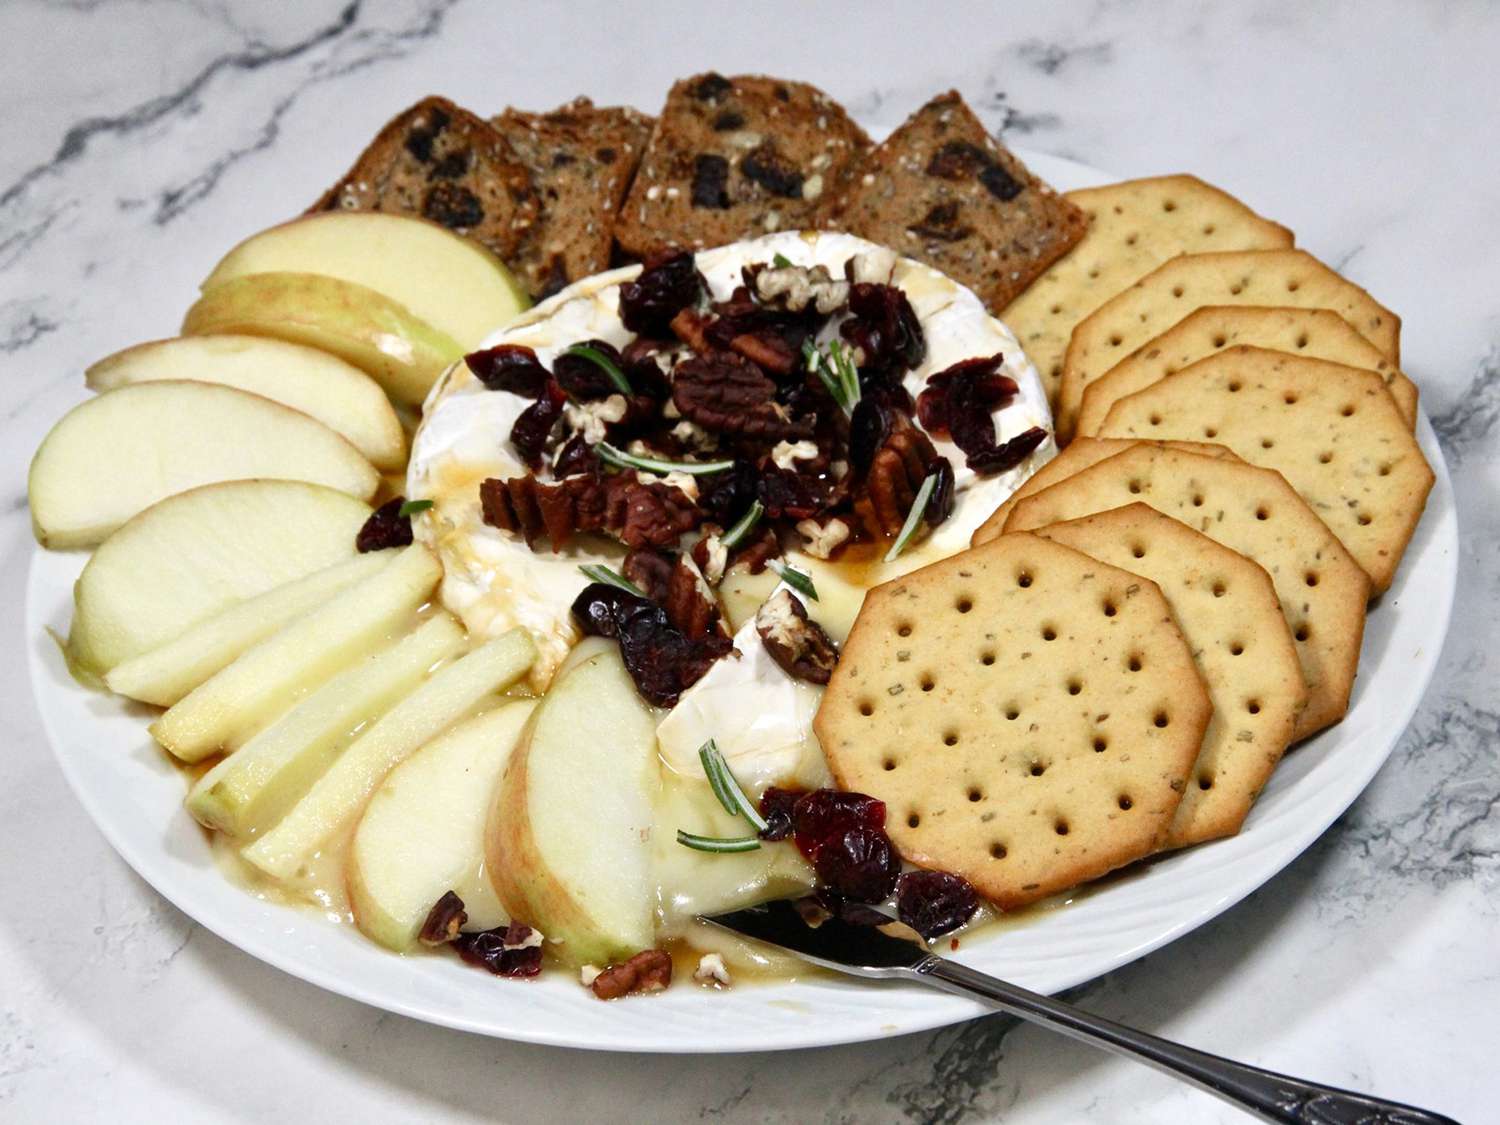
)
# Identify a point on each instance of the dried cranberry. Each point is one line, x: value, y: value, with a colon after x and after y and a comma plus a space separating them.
x: 884, y: 327
x: 638, y: 361
x: 940, y: 503
x: 575, y: 456
x: 584, y: 379
x: 859, y: 864
x: 533, y: 426
x: 1008, y: 454
x: 503, y: 950
x: 776, y: 806
x: 659, y: 292
x: 661, y: 661
x: 386, y: 527
x: 509, y: 367
x: 969, y: 385
x: 823, y: 814
x: 725, y: 496
x: 934, y: 902
x: 790, y: 495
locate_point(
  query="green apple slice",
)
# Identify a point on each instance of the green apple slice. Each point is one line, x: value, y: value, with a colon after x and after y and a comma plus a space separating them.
x: 196, y: 554
x: 457, y: 286
x: 447, y: 696
x: 322, y: 386
x: 164, y: 675
x: 422, y: 834
x: 114, y: 456
x: 382, y: 337
x: 230, y: 706
x: 568, y: 838
x: 251, y: 789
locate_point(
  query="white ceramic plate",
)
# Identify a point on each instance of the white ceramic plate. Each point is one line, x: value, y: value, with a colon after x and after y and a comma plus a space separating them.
x: 135, y: 797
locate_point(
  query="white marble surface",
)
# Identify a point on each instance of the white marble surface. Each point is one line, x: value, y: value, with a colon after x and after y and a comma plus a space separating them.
x: 142, y: 137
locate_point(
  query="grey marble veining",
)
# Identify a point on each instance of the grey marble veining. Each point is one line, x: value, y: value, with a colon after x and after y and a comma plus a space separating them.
x: 145, y: 136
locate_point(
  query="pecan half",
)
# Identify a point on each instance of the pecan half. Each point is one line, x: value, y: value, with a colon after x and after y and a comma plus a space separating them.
x: 896, y: 472
x: 637, y: 512
x: 727, y: 393
x: 648, y: 971
x: 797, y: 643
x: 444, y: 921
x: 649, y: 569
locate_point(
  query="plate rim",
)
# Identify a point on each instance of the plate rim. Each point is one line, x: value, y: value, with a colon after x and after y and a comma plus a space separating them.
x: 933, y: 1010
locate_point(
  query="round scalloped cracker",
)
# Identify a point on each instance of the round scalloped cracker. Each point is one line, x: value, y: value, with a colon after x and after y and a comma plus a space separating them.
x: 1075, y: 457
x: 1028, y: 714
x: 1333, y: 431
x: 1134, y: 317
x: 1317, y: 333
x: 1229, y: 613
x: 1134, y: 226
x: 1322, y: 590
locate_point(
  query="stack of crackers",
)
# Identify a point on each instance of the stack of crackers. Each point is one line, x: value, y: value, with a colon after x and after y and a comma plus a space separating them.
x: 559, y: 195
x: 1135, y: 638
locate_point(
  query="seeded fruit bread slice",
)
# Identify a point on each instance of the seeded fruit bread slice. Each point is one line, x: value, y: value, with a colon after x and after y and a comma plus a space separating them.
x: 732, y: 158
x: 441, y: 162
x: 945, y: 192
x: 582, y: 158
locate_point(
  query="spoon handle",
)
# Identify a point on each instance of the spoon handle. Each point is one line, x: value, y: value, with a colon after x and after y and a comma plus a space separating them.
x: 1267, y: 1095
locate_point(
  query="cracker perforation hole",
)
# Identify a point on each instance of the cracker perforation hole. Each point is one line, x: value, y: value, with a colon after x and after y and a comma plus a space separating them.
x: 1125, y: 802
x: 1385, y: 470
x: 1210, y: 432
x: 1109, y: 609
x: 1219, y: 341
x: 1049, y: 633
x: 1302, y: 340
x: 1303, y: 632
x: 1101, y: 744
x: 1293, y: 285
x: 1347, y: 410
x: 913, y: 820
x: 1325, y: 457
x: 963, y: 605
x: 1219, y: 589
x: 1198, y: 501
x: 928, y: 683
x: 1023, y: 579
x: 986, y: 658
x: 1236, y: 648
x: 1311, y: 578
x: 1266, y: 443
x: 1169, y: 205
x: 1161, y: 720
x: 1234, y: 387
x: 997, y: 850
x: 1134, y: 663
x: 1075, y: 686
x: 1290, y: 398
x: 1037, y: 769
x: 950, y: 738
x: 1061, y: 828
x: 1262, y: 513
x: 1253, y: 706
x: 904, y: 629
x: 1209, y: 229
x: 888, y: 764
x: 1012, y: 712
x: 1364, y: 519
x: 1135, y: 485
x: 1116, y: 340
x: 1205, y: 783
x: 1138, y: 550
x: 976, y: 795
x: 1177, y: 291
x: 866, y: 708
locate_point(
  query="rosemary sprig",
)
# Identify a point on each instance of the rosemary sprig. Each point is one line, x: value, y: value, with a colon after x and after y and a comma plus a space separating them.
x: 836, y: 371
x: 412, y: 507
x: 603, y: 363
x: 913, y: 517
x: 622, y: 460
x: 743, y: 526
x: 717, y: 843
x: 597, y: 572
x: 798, y: 580
x: 726, y: 788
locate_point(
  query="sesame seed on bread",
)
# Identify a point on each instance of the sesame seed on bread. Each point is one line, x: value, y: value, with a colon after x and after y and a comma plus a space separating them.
x: 944, y: 191
x: 733, y: 158
x: 441, y: 162
x: 582, y: 158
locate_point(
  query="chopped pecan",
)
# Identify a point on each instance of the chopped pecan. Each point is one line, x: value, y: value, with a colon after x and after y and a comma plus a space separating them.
x: 641, y: 513
x: 729, y: 394
x: 756, y: 553
x: 796, y: 642
x: 649, y: 569
x: 787, y: 494
x: 689, y: 602
x: 796, y: 288
x: 766, y: 348
x: 444, y: 921
x: 386, y: 527
x: 711, y: 556
x: 896, y: 473
x: 689, y: 326
x: 821, y: 540
x: 648, y: 971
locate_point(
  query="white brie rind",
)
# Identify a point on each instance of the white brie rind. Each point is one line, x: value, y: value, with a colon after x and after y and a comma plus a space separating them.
x: 760, y: 717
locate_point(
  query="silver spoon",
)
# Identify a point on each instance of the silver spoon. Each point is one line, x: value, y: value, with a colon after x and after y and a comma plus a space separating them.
x: 864, y: 951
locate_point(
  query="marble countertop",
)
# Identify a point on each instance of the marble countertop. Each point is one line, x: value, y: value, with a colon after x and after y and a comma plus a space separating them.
x: 143, y: 137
